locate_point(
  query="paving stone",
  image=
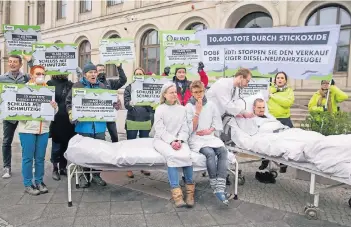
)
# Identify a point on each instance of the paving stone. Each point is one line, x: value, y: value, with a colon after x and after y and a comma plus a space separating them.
x: 163, y: 220
x: 93, y: 209
x: 125, y: 194
x: 92, y: 221
x: 52, y: 222
x: 95, y: 196
x: 42, y: 198
x: 271, y: 224
x: 152, y: 205
x: 129, y: 207
x: 61, y: 197
x: 259, y: 213
x: 21, y: 214
x: 136, y: 220
x: 240, y: 225
x: 59, y: 210
x: 229, y: 216
x: 196, y: 218
x: 9, y: 199
x: 295, y: 220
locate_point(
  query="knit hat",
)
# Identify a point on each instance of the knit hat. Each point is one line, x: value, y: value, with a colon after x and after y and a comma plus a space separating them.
x: 89, y: 66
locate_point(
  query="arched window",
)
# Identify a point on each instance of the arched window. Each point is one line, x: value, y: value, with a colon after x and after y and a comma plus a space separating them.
x: 150, y: 52
x: 84, y: 53
x: 197, y: 26
x: 255, y: 20
x: 111, y: 69
x: 58, y: 41
x: 335, y: 14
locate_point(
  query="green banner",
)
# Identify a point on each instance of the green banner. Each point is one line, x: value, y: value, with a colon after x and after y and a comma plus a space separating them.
x: 93, y: 104
x: 22, y: 102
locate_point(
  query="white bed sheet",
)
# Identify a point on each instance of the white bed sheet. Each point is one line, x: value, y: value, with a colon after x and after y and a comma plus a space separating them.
x: 103, y: 155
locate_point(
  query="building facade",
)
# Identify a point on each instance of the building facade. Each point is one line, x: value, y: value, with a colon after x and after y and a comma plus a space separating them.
x: 86, y: 22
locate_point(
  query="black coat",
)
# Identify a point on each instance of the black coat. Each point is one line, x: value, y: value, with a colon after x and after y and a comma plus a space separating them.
x: 136, y: 113
x: 61, y: 129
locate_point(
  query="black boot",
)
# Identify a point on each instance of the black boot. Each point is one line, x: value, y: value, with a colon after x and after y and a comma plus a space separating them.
x: 63, y: 172
x: 264, y: 165
x: 55, y: 173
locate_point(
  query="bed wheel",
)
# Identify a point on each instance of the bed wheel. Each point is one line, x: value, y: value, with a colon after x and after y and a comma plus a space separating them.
x: 274, y: 173
x: 204, y: 174
x: 350, y: 202
x: 70, y: 204
x: 77, y: 186
x: 311, y: 213
x: 241, y: 180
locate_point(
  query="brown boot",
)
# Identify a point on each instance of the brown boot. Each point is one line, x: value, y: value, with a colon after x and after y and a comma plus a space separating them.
x: 190, y: 191
x: 177, y: 196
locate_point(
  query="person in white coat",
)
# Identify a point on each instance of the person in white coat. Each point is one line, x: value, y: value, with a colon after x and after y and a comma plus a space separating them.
x: 170, y: 140
x: 204, y: 120
x: 225, y: 91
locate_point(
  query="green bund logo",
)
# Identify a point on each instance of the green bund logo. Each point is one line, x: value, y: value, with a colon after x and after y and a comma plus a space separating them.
x: 80, y: 92
x: 6, y: 87
x: 171, y: 38
x: 9, y: 28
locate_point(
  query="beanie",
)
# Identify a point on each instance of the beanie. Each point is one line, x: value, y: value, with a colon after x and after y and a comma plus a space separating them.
x: 89, y: 66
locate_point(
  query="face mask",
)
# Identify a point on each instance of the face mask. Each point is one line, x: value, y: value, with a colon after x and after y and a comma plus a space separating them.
x: 39, y: 80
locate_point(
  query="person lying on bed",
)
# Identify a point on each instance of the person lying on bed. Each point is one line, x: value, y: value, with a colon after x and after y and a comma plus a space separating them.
x: 203, y: 120
x: 171, y: 134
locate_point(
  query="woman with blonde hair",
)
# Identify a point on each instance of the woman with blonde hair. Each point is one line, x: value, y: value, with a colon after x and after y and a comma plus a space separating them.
x: 170, y: 140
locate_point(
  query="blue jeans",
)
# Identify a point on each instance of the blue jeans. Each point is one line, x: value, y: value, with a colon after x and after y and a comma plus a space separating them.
x: 9, y: 131
x: 132, y: 134
x: 57, y: 151
x: 173, y: 176
x: 219, y: 169
x: 33, y: 147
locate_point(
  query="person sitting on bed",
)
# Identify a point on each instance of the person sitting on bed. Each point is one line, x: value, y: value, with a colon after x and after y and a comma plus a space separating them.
x: 203, y: 120
x: 171, y: 134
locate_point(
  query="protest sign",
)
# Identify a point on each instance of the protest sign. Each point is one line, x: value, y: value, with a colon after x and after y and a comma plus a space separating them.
x: 146, y: 90
x: 26, y: 102
x: 301, y: 52
x: 57, y: 58
x: 114, y: 51
x: 19, y: 38
x: 179, y: 49
x: 255, y: 86
x: 93, y: 104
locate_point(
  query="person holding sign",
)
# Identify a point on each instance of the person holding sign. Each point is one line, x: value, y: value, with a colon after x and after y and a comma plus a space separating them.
x: 170, y: 140
x: 203, y: 120
x: 34, y: 136
x: 319, y: 99
x: 91, y: 129
x: 138, y: 118
x: 183, y: 84
x: 13, y: 76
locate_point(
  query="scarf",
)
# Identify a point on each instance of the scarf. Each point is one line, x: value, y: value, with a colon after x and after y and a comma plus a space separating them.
x: 192, y: 100
x: 323, y: 94
x: 182, y: 85
x: 280, y: 89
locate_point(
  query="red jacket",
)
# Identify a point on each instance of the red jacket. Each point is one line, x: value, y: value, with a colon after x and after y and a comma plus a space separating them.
x: 187, y: 94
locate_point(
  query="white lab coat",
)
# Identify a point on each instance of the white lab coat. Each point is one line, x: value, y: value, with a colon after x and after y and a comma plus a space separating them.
x: 170, y: 124
x: 221, y: 93
x: 209, y: 117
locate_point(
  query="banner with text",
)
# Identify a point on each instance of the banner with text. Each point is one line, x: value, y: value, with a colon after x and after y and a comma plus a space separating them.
x: 93, y: 104
x: 146, y: 90
x: 301, y: 52
x: 114, y: 51
x: 25, y: 102
x: 19, y: 38
x: 57, y: 58
x: 255, y: 86
x: 179, y: 49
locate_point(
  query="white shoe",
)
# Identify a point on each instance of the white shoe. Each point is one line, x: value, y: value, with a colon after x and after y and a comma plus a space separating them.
x: 7, y: 173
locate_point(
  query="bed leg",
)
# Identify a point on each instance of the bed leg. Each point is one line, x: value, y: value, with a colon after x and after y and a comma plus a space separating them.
x: 313, y: 190
x: 236, y: 180
x: 77, y: 177
x: 69, y: 184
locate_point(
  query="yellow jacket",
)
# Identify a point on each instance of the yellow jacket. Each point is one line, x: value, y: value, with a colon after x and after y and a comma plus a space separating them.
x: 279, y: 103
x: 336, y: 96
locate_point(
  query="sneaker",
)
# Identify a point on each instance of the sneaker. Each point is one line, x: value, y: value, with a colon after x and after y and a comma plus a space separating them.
x: 222, y: 197
x: 63, y: 172
x: 83, y: 183
x: 31, y: 190
x: 42, y: 188
x: 98, y: 180
x: 56, y: 175
x: 146, y: 173
x: 7, y: 173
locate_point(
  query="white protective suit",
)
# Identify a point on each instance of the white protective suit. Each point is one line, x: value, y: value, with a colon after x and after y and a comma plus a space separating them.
x: 208, y: 118
x: 170, y: 125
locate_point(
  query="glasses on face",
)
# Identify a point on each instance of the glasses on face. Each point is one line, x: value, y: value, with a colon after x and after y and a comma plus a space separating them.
x: 40, y: 74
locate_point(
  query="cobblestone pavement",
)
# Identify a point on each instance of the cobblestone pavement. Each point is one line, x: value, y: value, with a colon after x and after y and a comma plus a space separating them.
x: 144, y: 201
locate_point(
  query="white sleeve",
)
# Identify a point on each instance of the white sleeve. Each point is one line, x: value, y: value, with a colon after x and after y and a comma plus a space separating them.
x: 190, y: 116
x: 160, y: 128
x: 224, y: 97
x: 184, y: 130
x: 216, y: 119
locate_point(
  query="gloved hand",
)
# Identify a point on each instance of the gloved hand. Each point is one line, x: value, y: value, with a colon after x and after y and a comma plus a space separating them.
x: 332, y: 82
x: 201, y: 66
x: 167, y: 70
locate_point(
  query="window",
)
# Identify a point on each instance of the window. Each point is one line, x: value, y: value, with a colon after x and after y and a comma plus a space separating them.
x: 84, y: 6
x: 114, y: 2
x: 255, y: 20
x: 41, y: 12
x: 84, y: 53
x: 61, y: 9
x: 150, y: 52
x: 58, y: 41
x: 196, y: 26
x: 335, y: 14
x: 111, y: 69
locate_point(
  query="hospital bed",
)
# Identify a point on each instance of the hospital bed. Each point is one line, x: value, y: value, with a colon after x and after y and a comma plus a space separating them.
x: 125, y: 155
x: 311, y: 210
